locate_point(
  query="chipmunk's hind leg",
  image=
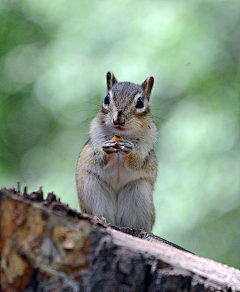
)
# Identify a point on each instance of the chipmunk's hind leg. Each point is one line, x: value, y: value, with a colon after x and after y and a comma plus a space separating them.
x: 135, y: 205
x: 96, y: 197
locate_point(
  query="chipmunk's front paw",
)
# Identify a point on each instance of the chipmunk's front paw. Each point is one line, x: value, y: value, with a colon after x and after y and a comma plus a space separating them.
x: 125, y: 147
x: 110, y: 147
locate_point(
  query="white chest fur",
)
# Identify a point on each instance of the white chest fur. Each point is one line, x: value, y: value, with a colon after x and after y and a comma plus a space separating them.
x: 116, y: 174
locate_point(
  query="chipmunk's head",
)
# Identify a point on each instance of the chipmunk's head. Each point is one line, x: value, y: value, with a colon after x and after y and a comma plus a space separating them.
x: 126, y: 105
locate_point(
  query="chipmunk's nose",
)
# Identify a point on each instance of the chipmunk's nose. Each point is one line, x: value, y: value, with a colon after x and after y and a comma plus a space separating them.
x: 119, y: 119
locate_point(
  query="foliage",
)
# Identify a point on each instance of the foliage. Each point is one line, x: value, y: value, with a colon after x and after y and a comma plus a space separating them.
x: 53, y: 60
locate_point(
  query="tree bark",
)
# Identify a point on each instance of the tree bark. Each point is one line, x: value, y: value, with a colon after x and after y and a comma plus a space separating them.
x: 45, y: 246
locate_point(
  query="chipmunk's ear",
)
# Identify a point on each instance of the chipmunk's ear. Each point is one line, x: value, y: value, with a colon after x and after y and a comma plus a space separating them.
x: 147, y: 86
x: 111, y: 80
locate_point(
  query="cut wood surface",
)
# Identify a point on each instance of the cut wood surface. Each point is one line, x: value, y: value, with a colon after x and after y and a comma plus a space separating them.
x: 46, y: 246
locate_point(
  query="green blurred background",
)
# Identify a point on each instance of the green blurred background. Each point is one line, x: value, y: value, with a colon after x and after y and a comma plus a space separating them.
x: 53, y: 59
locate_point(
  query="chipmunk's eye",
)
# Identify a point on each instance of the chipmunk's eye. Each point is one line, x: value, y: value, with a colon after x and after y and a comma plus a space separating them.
x: 140, y: 103
x: 107, y: 99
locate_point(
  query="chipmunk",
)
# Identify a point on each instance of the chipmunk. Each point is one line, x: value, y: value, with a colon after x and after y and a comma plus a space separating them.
x: 117, y: 167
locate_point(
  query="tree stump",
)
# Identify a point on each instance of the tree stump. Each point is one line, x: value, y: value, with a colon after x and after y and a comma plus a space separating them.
x: 46, y: 246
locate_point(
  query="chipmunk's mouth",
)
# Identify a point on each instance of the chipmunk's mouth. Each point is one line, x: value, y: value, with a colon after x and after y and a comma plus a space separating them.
x: 120, y: 128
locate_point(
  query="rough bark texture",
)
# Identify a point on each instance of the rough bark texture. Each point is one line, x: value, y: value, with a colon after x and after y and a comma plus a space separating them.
x: 45, y: 246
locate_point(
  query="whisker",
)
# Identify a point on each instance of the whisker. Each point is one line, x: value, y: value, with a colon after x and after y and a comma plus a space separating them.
x: 86, y: 119
x: 83, y: 122
x: 163, y: 120
x: 93, y: 103
x: 85, y: 110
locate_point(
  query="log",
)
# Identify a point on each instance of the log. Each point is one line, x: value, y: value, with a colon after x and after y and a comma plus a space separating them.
x: 46, y: 246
